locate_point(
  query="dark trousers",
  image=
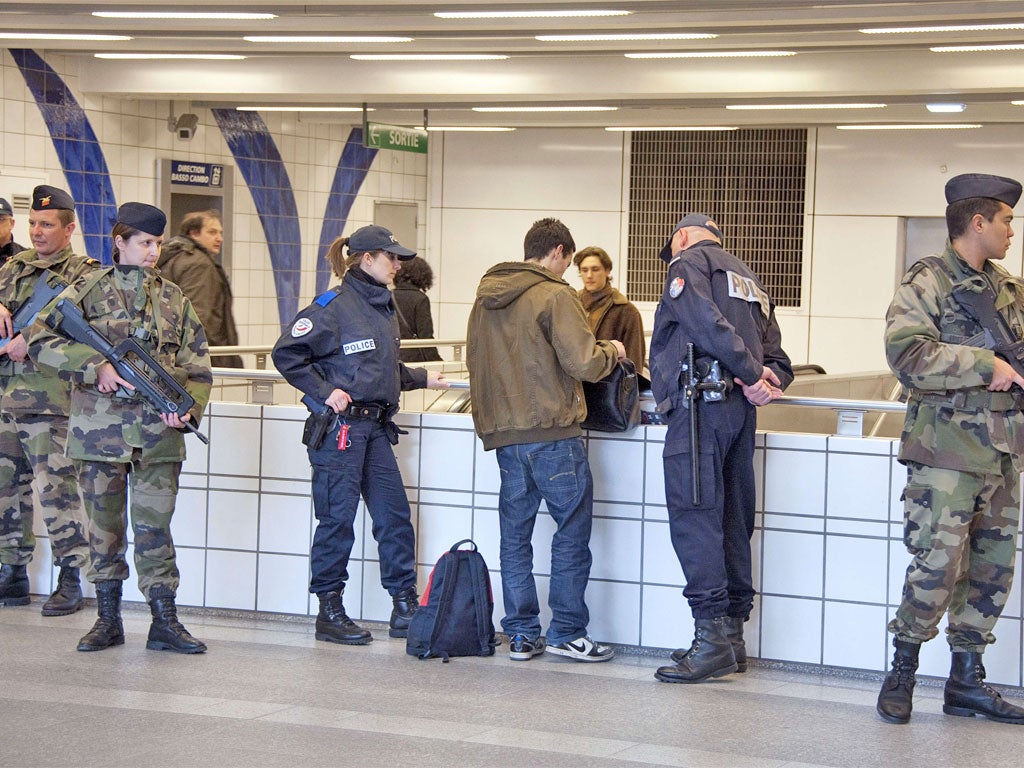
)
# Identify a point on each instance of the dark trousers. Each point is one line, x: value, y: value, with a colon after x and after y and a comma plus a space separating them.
x: 712, y: 540
x: 366, y: 468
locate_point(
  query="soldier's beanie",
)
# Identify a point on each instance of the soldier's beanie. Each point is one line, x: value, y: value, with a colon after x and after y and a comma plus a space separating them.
x: 690, y: 220
x: 145, y: 218
x: 46, y: 198
x: 968, y: 185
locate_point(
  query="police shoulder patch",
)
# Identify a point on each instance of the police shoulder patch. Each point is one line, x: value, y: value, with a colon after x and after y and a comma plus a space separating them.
x: 301, y: 327
x: 676, y: 287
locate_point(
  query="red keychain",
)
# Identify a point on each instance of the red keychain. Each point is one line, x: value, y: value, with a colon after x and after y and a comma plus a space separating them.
x: 343, y: 441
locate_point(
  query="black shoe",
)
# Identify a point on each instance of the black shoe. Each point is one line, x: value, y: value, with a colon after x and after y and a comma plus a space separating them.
x: 166, y: 633
x: 67, y: 598
x: 734, y: 631
x: 108, y: 629
x: 967, y: 695
x: 14, y: 585
x: 895, y: 700
x: 333, y: 624
x: 407, y: 602
x: 710, y: 655
x: 522, y: 648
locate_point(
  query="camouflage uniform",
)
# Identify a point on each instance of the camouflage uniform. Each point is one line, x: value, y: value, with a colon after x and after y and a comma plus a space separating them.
x: 33, y: 430
x: 114, y: 437
x: 964, y: 451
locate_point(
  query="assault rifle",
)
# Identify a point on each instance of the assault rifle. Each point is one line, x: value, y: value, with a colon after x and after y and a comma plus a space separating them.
x: 978, y: 300
x: 160, y: 389
x: 711, y: 388
x: 46, y: 288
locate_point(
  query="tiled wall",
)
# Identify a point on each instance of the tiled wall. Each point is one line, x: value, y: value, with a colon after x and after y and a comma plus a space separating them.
x: 828, y: 552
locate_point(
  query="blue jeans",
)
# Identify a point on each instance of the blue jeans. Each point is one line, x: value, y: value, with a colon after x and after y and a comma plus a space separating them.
x: 368, y: 468
x: 559, y: 473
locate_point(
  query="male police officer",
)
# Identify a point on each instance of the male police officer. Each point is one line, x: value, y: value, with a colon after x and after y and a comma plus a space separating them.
x: 7, y: 245
x: 715, y: 302
x: 34, y: 420
x: 963, y: 444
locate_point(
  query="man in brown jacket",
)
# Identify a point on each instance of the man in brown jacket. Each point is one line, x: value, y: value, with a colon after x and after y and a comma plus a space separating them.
x: 529, y: 346
x: 189, y: 261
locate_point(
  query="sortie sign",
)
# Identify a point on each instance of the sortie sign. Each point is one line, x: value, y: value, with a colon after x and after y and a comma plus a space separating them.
x: 382, y: 136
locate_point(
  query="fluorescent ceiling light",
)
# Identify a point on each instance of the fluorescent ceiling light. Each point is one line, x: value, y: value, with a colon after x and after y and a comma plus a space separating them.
x: 544, y: 109
x: 1017, y: 103
x: 625, y: 36
x: 942, y: 28
x: 910, y: 127
x: 526, y: 14
x: 325, y: 39
x: 671, y: 128
x: 183, y: 15
x: 465, y: 128
x: 278, y: 108
x: 204, y: 56
x: 945, y: 107
x: 976, y: 48
x: 706, y: 54
x: 60, y: 36
x: 427, y: 56
x: 804, y: 106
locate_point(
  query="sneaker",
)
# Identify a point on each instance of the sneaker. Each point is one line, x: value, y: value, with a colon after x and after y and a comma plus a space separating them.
x: 583, y: 649
x: 522, y: 648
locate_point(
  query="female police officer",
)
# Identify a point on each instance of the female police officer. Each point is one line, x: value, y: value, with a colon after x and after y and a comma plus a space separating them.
x: 342, y: 353
x: 117, y: 438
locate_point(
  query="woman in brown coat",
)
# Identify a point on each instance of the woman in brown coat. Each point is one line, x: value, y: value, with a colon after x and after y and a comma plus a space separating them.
x: 610, y: 314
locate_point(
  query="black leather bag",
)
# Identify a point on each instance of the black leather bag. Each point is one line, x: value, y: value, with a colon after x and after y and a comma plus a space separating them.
x: 613, y: 403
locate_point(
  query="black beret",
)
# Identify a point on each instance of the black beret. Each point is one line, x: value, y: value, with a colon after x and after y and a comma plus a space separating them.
x: 145, y: 218
x: 968, y: 185
x: 45, y: 198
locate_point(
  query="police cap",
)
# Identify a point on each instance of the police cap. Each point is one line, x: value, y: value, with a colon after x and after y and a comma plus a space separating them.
x: 377, y: 238
x: 145, y: 218
x: 690, y: 220
x: 968, y: 185
x: 47, y: 198
x: 5, y: 208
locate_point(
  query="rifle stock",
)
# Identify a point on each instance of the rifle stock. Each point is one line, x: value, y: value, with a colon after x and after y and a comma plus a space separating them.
x: 45, y: 289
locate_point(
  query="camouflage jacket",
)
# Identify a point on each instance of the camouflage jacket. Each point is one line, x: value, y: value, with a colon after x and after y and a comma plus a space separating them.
x: 27, y: 388
x: 937, y: 352
x: 121, y: 302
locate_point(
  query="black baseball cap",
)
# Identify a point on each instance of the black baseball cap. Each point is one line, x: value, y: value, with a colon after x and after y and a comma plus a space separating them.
x: 377, y: 238
x: 690, y: 220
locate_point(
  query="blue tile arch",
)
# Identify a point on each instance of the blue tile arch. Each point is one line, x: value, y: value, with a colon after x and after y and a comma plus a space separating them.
x: 353, y: 165
x: 81, y: 157
x: 264, y: 172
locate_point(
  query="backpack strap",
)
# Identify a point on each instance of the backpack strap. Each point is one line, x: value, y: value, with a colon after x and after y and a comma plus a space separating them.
x: 457, y: 544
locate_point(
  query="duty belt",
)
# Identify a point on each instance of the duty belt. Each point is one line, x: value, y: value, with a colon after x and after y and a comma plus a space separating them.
x: 971, y: 399
x: 370, y: 411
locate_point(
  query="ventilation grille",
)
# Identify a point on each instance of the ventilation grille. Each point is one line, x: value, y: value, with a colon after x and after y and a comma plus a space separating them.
x: 751, y: 182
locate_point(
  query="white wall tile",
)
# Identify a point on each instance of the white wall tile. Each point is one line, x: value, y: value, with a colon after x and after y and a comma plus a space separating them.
x: 231, y: 580
x: 614, y: 611
x: 286, y: 524
x: 188, y: 525
x: 654, y: 472
x: 618, y: 469
x: 192, y: 573
x: 862, y: 348
x: 858, y: 486
x: 615, y: 546
x: 283, y: 454
x: 240, y: 441
x: 855, y: 569
x: 282, y: 584
x: 448, y: 461
x: 233, y: 520
x: 791, y: 629
x: 795, y: 482
x: 660, y: 564
x: 793, y: 563
x: 854, y: 636
x: 666, y: 622
x: 439, y: 528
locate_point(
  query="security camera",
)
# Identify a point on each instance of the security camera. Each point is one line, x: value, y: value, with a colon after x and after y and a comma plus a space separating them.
x: 186, y: 126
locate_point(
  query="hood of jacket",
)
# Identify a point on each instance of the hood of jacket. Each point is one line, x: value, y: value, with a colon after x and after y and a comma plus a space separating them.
x: 504, y: 283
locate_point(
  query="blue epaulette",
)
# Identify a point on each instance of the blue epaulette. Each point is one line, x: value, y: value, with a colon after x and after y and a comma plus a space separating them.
x: 326, y: 298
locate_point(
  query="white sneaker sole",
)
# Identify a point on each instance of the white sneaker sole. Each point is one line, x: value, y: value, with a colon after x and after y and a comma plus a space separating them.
x: 581, y: 657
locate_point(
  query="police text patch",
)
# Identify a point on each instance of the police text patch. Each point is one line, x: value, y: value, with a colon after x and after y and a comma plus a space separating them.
x: 746, y: 288
x: 358, y: 346
x: 301, y: 327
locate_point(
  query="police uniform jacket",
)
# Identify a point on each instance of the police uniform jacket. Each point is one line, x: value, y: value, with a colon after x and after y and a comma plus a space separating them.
x: 715, y: 301
x: 348, y: 339
x: 937, y: 350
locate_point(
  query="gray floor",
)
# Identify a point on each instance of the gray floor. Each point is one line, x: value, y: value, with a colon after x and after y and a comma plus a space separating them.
x: 268, y: 694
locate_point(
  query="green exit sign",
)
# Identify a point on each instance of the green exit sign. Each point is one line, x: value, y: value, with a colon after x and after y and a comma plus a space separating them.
x: 381, y: 136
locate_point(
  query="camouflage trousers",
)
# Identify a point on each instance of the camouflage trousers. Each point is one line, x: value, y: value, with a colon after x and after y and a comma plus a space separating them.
x: 105, y: 494
x: 961, y: 529
x: 33, y: 467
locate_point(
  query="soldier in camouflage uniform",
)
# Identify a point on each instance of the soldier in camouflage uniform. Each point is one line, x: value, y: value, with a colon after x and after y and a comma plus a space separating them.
x: 34, y: 421
x: 963, y: 445
x: 120, y: 440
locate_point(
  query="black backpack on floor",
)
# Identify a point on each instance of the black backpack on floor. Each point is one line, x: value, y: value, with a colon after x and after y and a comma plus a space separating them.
x: 455, y: 615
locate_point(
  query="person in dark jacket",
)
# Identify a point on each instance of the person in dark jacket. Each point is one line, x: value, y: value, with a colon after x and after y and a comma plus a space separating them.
x: 610, y: 314
x: 8, y: 247
x: 714, y: 301
x: 342, y: 352
x: 413, y: 305
x: 189, y: 261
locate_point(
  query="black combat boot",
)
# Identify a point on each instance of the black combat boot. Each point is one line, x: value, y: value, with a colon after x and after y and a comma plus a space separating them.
x: 67, y: 598
x: 896, y: 699
x: 407, y: 602
x: 108, y: 629
x: 14, y: 585
x: 710, y: 655
x: 166, y: 633
x: 967, y: 694
x: 334, y: 625
x: 734, y: 631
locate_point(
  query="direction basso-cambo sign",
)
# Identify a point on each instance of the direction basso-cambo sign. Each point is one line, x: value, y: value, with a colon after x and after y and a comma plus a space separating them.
x: 382, y: 136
